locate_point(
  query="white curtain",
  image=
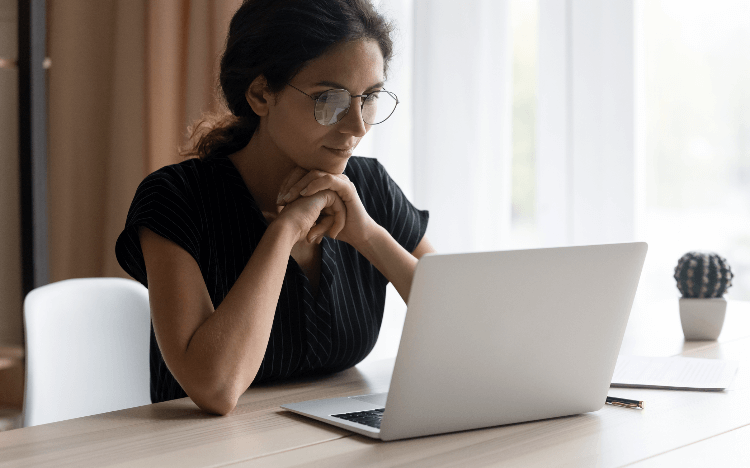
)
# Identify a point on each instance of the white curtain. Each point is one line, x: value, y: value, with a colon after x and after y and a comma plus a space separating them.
x: 449, y: 143
x: 588, y: 169
x: 462, y: 86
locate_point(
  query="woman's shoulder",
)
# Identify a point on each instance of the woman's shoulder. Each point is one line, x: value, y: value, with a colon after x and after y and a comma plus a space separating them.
x: 183, y: 177
x: 358, y: 162
x: 365, y: 172
x: 188, y: 168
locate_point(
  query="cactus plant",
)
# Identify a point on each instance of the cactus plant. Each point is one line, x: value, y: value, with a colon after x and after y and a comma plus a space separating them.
x: 703, y: 275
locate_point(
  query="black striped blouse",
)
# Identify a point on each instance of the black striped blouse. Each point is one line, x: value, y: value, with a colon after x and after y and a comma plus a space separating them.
x: 206, y: 208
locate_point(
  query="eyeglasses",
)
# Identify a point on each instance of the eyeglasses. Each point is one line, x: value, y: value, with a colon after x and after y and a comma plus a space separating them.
x: 332, y: 105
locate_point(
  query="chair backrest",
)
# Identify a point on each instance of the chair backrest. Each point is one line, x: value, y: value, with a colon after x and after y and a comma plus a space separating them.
x: 87, y: 348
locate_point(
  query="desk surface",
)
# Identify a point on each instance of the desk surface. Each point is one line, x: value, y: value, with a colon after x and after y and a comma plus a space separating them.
x: 677, y: 428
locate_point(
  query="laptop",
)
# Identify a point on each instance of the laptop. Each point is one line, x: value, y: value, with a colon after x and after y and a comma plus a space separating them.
x: 496, y: 338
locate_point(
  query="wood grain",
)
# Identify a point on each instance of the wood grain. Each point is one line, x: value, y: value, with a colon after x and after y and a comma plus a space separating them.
x: 676, y: 425
x: 610, y: 437
x: 178, y: 433
x: 732, y: 448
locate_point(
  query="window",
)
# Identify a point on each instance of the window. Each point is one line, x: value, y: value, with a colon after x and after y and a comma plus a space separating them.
x: 524, y: 17
x: 695, y: 123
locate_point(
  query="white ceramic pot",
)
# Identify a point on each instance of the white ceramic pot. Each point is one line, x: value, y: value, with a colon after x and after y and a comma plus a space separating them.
x: 702, y: 319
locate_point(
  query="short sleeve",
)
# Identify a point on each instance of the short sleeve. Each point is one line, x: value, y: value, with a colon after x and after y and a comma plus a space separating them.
x: 402, y: 220
x: 163, y: 203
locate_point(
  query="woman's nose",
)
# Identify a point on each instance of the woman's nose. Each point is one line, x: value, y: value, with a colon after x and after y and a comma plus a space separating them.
x: 352, y: 121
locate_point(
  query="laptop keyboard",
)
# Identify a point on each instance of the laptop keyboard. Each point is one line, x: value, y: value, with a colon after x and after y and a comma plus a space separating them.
x: 370, y: 418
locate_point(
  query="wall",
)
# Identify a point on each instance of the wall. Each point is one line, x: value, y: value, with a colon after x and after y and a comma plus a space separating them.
x: 11, y: 323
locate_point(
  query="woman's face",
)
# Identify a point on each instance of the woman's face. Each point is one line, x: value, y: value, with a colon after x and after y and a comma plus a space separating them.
x: 290, y: 122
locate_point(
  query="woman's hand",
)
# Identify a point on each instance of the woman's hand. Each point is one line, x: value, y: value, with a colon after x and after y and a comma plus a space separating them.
x: 301, y: 184
x: 313, y: 216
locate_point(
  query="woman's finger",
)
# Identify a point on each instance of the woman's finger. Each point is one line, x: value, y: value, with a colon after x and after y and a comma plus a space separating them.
x: 294, y: 190
x: 339, y: 215
x: 342, y: 187
x: 291, y: 179
x: 333, y: 215
x: 319, y: 230
x: 269, y: 215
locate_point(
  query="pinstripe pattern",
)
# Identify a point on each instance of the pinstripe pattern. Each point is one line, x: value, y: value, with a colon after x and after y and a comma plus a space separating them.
x: 205, y: 208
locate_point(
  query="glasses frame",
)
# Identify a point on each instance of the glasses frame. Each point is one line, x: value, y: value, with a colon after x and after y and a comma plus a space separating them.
x: 361, y: 106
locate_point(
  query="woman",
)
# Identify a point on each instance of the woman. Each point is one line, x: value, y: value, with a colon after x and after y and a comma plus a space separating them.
x: 211, y: 237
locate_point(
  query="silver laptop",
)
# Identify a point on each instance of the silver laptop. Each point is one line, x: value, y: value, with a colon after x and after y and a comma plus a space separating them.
x: 497, y: 338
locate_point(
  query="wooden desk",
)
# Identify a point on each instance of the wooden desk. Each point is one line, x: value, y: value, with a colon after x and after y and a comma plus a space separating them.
x: 686, y: 428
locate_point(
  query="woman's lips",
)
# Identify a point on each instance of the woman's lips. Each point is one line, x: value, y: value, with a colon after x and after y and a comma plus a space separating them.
x: 341, y: 152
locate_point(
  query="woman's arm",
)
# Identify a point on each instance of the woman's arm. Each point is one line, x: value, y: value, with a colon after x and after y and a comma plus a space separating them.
x: 424, y: 247
x: 215, y: 354
x: 393, y: 261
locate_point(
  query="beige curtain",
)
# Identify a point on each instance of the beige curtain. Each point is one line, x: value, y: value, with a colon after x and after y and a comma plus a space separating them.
x: 127, y: 77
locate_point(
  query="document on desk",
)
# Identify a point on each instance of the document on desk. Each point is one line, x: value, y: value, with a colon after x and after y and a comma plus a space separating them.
x: 677, y: 373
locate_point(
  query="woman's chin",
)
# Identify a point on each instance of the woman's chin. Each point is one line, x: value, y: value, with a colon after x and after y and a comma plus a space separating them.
x: 341, y: 166
x: 333, y: 167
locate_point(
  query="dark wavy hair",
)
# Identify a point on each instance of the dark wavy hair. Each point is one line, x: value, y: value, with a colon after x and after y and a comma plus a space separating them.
x: 276, y: 38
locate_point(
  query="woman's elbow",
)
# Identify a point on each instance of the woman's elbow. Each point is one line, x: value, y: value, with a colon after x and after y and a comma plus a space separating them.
x: 213, y: 396
x: 214, y: 391
x: 220, y: 403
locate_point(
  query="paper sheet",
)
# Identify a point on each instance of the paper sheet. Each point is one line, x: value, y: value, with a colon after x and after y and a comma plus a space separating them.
x: 673, y: 372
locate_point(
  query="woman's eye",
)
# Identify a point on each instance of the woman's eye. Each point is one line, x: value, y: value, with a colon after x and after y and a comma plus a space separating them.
x: 325, y: 96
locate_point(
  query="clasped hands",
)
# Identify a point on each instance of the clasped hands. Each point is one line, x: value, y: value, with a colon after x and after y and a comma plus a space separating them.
x: 324, y: 204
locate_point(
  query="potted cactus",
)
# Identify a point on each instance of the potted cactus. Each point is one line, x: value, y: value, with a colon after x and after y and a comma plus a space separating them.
x: 702, y: 278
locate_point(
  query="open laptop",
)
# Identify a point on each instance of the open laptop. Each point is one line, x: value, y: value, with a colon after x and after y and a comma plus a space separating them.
x: 496, y: 338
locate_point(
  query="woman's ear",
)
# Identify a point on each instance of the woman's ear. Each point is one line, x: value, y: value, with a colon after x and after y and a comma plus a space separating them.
x: 258, y: 96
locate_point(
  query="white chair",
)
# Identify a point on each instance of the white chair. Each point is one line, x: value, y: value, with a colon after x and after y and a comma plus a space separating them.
x: 87, y: 348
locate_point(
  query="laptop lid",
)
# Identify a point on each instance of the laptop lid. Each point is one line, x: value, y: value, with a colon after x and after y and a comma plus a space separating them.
x: 503, y: 337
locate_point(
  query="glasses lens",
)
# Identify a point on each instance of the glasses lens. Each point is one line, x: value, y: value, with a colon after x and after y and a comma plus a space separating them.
x: 378, y: 107
x: 331, y: 106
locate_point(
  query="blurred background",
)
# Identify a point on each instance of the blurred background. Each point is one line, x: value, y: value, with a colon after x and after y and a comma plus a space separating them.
x: 522, y: 124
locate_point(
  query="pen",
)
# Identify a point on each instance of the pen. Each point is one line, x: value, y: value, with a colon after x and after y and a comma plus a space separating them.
x: 624, y: 402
